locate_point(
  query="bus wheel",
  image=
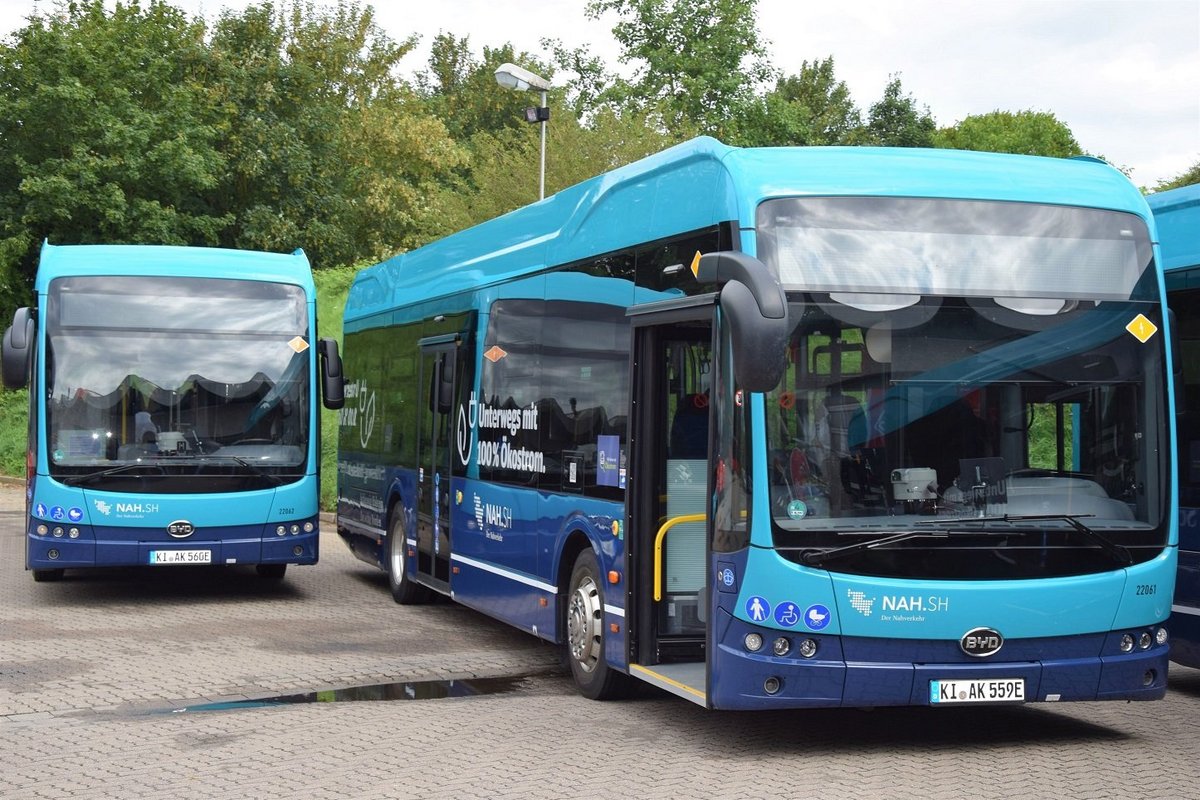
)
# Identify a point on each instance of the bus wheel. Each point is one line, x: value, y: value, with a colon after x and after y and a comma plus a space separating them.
x: 404, y: 590
x: 585, y: 633
x: 273, y: 571
x: 47, y: 575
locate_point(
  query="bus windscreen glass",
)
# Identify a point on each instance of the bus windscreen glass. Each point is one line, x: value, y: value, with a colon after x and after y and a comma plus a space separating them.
x: 188, y: 379
x: 957, y: 434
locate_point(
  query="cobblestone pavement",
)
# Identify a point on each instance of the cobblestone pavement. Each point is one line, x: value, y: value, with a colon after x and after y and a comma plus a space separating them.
x: 101, y: 674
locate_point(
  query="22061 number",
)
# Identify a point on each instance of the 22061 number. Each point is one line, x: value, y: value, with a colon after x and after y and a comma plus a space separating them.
x: 1147, y: 588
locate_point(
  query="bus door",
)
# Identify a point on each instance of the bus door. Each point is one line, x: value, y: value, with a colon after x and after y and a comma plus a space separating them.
x: 434, y: 452
x: 666, y: 504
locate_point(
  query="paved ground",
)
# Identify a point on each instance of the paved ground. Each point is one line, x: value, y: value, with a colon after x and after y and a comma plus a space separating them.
x: 96, y: 673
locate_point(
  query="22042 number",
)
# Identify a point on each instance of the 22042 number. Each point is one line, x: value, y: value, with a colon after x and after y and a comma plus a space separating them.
x: 1147, y: 588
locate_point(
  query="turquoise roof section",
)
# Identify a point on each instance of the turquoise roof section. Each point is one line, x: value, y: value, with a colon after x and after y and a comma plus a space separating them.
x: 170, y: 260
x: 1177, y: 215
x: 703, y: 182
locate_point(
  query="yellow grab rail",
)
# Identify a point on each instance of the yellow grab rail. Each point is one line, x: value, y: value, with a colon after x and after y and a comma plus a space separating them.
x: 658, y: 540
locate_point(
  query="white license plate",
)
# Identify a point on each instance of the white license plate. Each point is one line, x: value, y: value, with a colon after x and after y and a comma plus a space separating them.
x: 979, y: 690
x: 181, y: 556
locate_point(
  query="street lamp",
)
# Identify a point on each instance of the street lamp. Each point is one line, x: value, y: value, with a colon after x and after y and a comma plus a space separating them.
x: 510, y: 76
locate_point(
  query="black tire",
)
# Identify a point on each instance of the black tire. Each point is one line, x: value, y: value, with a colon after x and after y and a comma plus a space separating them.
x: 404, y: 590
x: 583, y: 642
x: 47, y: 575
x: 273, y: 572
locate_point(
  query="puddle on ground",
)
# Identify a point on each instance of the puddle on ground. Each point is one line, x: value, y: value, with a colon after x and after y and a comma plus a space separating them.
x: 411, y: 690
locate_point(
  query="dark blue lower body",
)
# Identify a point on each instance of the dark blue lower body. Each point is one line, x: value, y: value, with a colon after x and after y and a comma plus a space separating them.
x: 1185, y: 637
x: 893, y: 672
x: 127, y: 547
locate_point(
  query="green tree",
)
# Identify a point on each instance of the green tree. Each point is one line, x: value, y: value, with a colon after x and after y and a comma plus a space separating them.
x: 698, y: 63
x: 1185, y: 178
x: 896, y: 121
x: 1024, y: 132
x: 812, y: 107
x: 326, y: 148
x: 461, y: 90
x: 107, y: 134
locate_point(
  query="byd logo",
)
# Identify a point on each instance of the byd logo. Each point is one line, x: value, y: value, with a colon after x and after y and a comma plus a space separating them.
x: 980, y: 642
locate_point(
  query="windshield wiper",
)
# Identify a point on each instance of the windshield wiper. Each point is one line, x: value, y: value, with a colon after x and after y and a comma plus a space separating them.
x: 82, y: 480
x: 252, y: 467
x: 817, y: 557
x: 1116, y: 551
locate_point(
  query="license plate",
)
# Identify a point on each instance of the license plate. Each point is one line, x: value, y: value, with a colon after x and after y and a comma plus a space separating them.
x: 180, y: 556
x: 979, y: 690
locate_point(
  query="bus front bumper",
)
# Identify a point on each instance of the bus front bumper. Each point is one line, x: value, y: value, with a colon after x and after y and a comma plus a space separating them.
x: 854, y: 672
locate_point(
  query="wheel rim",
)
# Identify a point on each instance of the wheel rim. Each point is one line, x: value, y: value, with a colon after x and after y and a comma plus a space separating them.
x: 584, y: 619
x: 396, y: 554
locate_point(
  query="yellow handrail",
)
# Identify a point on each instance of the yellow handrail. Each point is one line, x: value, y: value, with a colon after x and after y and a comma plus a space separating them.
x: 658, y: 540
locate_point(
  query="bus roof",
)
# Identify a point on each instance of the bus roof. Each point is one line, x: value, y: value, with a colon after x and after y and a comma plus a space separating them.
x: 1177, y: 217
x: 169, y: 260
x: 703, y: 182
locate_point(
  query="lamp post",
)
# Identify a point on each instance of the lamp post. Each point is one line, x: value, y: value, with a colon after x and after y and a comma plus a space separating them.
x: 510, y: 76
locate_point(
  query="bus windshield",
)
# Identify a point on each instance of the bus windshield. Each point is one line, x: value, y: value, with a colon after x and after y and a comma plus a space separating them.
x: 929, y: 427
x: 201, y: 384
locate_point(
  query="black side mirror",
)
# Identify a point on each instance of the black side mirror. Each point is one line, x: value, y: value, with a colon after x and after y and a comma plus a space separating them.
x: 17, y: 349
x: 333, y: 384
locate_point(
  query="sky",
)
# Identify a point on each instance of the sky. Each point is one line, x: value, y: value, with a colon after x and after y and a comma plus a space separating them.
x: 1124, y: 75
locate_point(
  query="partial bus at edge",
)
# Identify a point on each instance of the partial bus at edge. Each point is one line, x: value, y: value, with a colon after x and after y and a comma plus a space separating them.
x: 1177, y: 215
x: 173, y: 408
x: 785, y: 427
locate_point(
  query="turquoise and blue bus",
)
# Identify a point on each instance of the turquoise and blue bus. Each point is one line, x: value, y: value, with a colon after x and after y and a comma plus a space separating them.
x: 785, y: 427
x: 1177, y: 216
x: 172, y: 412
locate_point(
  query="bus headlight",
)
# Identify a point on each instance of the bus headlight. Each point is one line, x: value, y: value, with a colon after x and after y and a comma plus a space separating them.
x: 1126, y: 643
x: 1160, y: 636
x: 808, y: 648
x: 753, y: 642
x: 1145, y: 640
x: 280, y: 531
x: 781, y: 646
x: 308, y: 527
x: 42, y: 530
x: 58, y: 531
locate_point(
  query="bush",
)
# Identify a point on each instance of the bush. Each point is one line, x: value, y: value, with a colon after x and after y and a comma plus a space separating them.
x: 14, y: 418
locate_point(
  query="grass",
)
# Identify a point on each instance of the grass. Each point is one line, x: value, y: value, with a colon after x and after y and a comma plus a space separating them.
x: 332, y: 286
x: 14, y: 412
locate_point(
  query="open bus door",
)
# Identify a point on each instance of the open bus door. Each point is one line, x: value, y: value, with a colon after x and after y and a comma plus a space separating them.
x: 668, y: 528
